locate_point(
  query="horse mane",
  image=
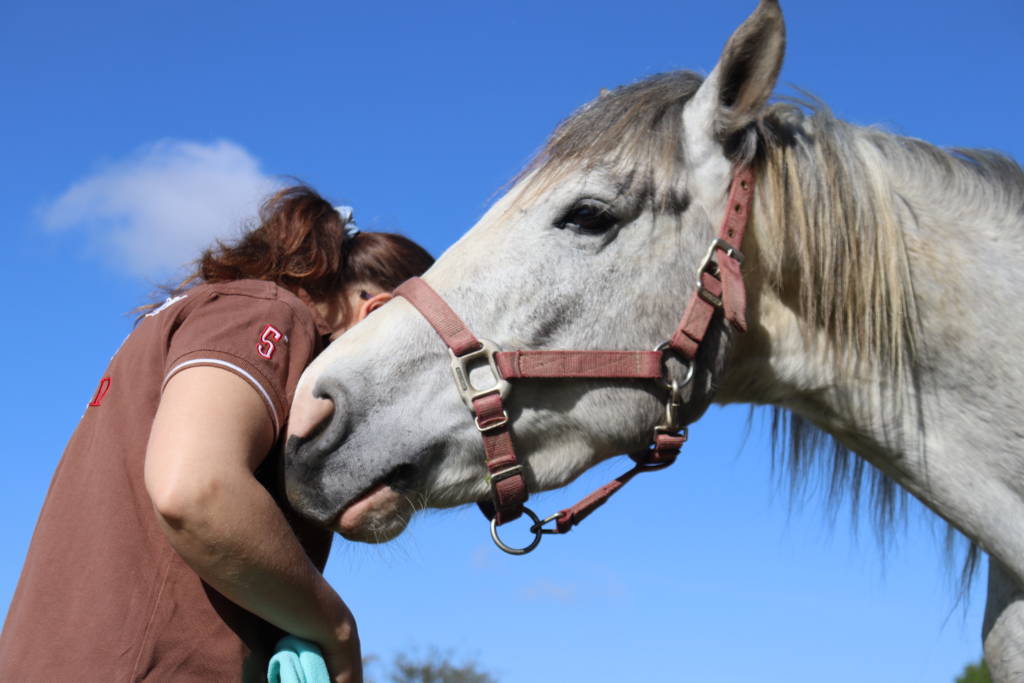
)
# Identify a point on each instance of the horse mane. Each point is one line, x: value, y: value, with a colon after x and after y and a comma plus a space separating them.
x: 834, y: 202
x: 829, y: 218
x: 832, y: 206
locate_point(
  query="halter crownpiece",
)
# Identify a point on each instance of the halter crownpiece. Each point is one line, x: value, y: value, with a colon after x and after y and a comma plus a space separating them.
x: 719, y: 287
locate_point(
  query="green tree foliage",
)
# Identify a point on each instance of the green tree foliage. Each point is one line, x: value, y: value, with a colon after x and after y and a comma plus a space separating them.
x: 975, y: 673
x: 434, y: 667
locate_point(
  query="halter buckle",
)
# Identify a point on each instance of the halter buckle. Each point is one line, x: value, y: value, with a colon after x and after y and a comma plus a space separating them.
x: 709, y: 264
x: 492, y: 424
x: 463, y: 365
x: 716, y: 245
x: 501, y: 475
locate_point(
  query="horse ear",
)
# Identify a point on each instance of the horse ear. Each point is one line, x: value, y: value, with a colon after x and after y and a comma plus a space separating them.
x: 744, y: 77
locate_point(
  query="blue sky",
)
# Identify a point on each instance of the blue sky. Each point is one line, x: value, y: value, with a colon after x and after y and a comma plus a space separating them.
x: 134, y: 132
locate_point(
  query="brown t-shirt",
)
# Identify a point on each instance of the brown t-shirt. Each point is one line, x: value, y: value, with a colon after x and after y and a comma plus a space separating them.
x: 103, y: 596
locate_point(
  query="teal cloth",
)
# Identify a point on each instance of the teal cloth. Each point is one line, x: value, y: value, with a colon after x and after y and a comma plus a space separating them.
x: 297, y: 661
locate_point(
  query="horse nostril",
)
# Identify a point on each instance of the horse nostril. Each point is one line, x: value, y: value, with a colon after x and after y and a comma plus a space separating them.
x: 309, y: 414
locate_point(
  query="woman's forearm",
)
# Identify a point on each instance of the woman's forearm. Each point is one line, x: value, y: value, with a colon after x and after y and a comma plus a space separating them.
x: 210, y: 433
x: 231, y: 532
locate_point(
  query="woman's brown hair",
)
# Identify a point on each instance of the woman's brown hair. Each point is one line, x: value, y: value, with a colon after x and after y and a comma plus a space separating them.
x: 303, y: 244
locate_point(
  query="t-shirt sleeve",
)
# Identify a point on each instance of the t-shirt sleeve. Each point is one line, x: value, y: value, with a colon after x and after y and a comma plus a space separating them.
x: 261, y: 340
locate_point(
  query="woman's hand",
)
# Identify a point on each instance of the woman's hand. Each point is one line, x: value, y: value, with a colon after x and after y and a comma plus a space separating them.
x: 340, y: 644
x: 344, y: 659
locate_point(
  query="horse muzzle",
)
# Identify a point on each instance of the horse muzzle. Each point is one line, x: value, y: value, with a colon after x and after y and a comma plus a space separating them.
x: 353, y: 495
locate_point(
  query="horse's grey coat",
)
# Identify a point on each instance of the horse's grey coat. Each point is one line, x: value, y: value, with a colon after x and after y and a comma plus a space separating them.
x: 884, y: 281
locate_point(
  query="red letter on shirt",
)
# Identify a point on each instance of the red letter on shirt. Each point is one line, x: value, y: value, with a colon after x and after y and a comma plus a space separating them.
x: 266, y: 347
x: 101, y: 391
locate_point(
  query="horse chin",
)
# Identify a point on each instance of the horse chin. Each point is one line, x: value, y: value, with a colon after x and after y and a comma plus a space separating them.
x: 377, y: 516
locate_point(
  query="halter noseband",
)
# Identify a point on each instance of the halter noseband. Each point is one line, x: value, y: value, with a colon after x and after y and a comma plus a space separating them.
x: 719, y: 286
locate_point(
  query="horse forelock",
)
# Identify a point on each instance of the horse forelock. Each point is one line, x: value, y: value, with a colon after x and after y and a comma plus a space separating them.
x: 633, y: 131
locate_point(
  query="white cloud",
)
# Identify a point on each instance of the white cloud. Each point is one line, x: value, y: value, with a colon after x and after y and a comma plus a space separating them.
x: 482, y: 556
x: 545, y: 590
x: 157, y: 209
x: 597, y: 584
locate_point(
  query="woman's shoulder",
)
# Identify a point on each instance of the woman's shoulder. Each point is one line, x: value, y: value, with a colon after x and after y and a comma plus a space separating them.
x: 257, y: 289
x: 259, y: 293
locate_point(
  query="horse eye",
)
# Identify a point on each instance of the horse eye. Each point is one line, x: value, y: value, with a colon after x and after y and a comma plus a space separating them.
x: 588, y: 218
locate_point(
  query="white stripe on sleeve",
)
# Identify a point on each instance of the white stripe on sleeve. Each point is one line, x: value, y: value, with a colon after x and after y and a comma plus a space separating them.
x: 240, y: 371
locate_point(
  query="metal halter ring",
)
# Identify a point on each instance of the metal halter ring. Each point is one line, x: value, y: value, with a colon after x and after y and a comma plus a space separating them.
x: 535, y: 528
x: 671, y: 384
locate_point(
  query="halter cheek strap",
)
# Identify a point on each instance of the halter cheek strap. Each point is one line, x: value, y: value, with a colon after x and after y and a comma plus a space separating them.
x: 719, y: 280
x: 719, y: 286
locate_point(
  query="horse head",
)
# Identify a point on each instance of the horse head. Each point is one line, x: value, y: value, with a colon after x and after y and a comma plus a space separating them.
x: 596, y: 246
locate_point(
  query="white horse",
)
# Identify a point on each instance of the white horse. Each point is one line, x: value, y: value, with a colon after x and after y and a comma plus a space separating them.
x: 884, y: 308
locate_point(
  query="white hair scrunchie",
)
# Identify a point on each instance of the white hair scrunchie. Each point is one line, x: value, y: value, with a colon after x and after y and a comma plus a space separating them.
x: 347, y: 217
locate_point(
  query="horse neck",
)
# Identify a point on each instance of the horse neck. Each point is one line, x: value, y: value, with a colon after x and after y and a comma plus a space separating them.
x: 937, y: 404
x: 788, y: 362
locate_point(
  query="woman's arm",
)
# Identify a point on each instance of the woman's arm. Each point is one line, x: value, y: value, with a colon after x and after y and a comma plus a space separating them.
x: 210, y: 433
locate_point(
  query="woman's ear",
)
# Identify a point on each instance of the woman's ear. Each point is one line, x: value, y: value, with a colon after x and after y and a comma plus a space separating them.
x: 372, y: 304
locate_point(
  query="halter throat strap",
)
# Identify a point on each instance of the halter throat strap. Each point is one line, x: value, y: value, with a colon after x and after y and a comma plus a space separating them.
x: 719, y: 280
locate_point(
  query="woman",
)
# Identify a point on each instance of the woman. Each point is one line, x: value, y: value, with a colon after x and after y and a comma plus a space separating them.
x: 161, y: 552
